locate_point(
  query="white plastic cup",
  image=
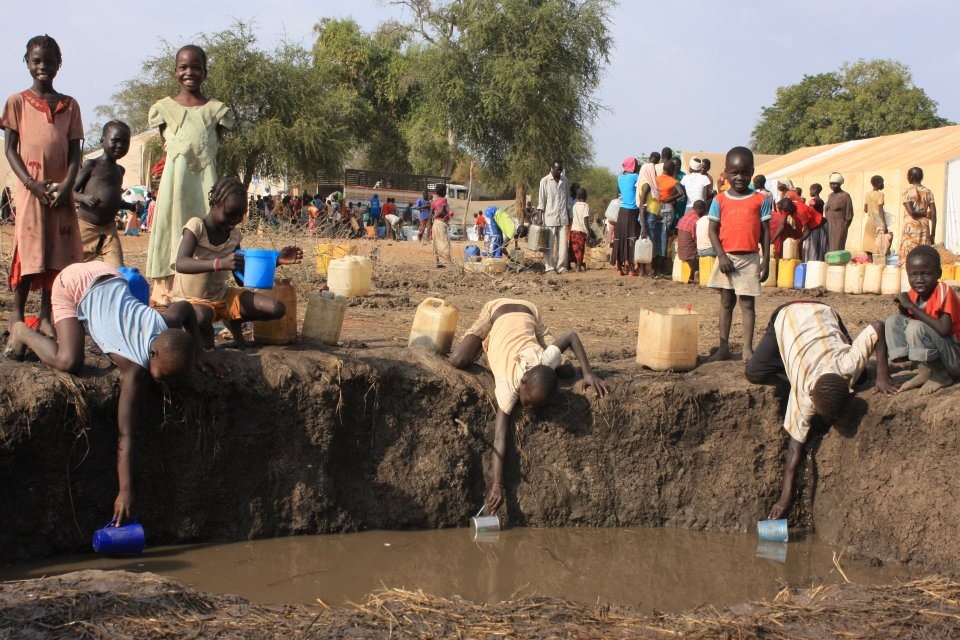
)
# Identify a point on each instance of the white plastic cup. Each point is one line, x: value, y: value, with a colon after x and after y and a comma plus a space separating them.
x: 773, y: 530
x: 485, y: 524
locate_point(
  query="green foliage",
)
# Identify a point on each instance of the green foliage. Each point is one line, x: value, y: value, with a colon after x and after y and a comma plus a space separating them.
x: 291, y: 119
x: 380, y: 83
x: 601, y: 186
x: 862, y: 100
x: 512, y: 81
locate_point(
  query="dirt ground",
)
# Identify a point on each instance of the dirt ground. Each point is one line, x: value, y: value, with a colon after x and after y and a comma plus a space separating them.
x: 98, y: 604
x: 370, y: 434
x: 600, y: 306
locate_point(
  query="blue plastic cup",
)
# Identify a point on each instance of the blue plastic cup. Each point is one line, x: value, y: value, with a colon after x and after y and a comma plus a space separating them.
x: 259, y: 268
x: 773, y: 530
x: 127, y: 540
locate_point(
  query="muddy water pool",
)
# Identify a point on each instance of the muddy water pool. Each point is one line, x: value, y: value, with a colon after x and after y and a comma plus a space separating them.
x: 663, y: 569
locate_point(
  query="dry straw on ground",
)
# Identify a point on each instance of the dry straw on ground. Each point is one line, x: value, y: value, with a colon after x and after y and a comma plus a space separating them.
x: 112, y: 605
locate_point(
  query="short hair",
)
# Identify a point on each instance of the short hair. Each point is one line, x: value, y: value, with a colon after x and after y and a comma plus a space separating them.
x: 876, y: 181
x: 441, y: 190
x: 581, y: 193
x: 655, y: 157
x: 816, y: 186
x: 177, y: 349
x: 926, y: 253
x: 666, y: 153
x: 116, y: 124
x: 541, y: 380
x: 707, y: 164
x: 742, y: 152
x: 196, y: 49
x: 225, y: 187
x: 760, y: 181
x: 914, y: 174
x: 43, y: 42
x: 786, y: 204
x: 557, y: 162
x: 699, y: 205
x: 831, y: 392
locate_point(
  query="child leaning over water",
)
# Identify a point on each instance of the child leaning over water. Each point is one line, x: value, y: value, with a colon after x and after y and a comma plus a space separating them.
x: 739, y: 221
x: 927, y: 328
x: 208, y: 252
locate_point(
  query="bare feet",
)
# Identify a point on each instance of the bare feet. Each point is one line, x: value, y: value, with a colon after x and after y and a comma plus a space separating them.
x: 747, y: 353
x: 16, y: 348
x: 939, y: 378
x: 722, y: 353
x: 923, y: 375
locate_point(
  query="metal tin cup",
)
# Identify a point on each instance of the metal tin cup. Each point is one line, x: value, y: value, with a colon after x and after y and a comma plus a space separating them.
x: 127, y: 540
x: 773, y: 530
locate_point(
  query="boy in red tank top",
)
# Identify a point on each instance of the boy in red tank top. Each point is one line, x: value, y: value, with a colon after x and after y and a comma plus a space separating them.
x: 739, y: 223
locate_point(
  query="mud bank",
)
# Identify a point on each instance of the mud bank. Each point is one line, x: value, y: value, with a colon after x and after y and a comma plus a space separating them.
x: 118, y: 604
x: 304, y: 440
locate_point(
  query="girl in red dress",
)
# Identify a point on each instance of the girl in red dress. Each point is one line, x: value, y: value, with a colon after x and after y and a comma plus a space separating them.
x: 43, y: 135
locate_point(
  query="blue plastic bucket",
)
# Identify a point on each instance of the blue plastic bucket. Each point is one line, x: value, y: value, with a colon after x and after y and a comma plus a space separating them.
x: 381, y: 232
x: 127, y: 540
x: 139, y: 286
x: 470, y: 251
x: 259, y: 268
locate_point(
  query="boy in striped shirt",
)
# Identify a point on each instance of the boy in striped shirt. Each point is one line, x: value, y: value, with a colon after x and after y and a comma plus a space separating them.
x: 807, y: 346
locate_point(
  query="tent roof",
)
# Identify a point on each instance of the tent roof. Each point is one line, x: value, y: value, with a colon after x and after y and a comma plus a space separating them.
x: 913, y: 148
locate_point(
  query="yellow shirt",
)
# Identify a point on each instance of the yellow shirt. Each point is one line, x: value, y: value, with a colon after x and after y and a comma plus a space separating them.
x: 213, y: 284
x: 513, y: 348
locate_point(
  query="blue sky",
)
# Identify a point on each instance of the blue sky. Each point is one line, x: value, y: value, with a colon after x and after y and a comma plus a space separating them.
x: 701, y: 85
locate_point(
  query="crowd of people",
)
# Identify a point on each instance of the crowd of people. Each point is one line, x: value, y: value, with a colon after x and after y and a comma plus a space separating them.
x: 65, y: 223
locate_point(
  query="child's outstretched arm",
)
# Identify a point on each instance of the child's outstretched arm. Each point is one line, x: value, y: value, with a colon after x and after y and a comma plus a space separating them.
x: 133, y: 379
x: 495, y: 494
x: 572, y: 341
x: 782, y: 506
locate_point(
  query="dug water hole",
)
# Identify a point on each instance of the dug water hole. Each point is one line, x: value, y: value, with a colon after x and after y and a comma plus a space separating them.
x: 649, y: 568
